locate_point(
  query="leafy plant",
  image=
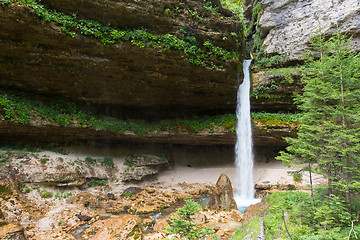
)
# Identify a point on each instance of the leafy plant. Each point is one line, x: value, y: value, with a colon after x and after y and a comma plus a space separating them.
x: 184, y: 225
x: 90, y: 159
x: 97, y: 182
x: 46, y: 194
x: 108, y: 161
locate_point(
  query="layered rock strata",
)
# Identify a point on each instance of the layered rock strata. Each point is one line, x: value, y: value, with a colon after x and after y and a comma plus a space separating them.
x: 122, y: 79
x: 288, y: 25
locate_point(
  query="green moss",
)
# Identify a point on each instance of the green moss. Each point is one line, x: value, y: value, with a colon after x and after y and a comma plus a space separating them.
x: 71, y: 25
x: 65, y: 113
x: 97, y: 182
x: 5, y: 190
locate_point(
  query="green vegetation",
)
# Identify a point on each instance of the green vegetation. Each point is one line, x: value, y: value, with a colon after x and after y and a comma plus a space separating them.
x: 107, y: 161
x: 90, y: 159
x: 128, y: 194
x: 43, y: 160
x: 237, y: 6
x: 209, y: 7
x: 256, y: 14
x: 260, y: 89
x: 97, y: 182
x: 295, y: 214
x: 184, y: 224
x: 69, y: 114
x: 62, y: 195
x: 289, y: 117
x: 328, y: 143
x: 329, y: 137
x: 46, y: 194
x: 70, y: 24
x: 24, y: 149
x: 250, y: 230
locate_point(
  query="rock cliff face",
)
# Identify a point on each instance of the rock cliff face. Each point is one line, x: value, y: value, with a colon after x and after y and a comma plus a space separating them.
x: 288, y: 25
x: 264, y: 135
x: 37, y: 57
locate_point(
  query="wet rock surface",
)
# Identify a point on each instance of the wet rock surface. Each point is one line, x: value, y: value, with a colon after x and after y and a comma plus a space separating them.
x: 121, y: 79
x: 263, y: 135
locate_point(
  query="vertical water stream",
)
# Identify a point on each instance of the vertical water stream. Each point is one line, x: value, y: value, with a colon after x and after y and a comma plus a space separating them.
x: 244, y: 159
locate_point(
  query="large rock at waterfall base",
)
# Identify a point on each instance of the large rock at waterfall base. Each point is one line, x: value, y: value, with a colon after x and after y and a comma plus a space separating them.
x: 222, y: 195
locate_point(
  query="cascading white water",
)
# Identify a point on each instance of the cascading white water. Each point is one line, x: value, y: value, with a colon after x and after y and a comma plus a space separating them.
x: 244, y: 159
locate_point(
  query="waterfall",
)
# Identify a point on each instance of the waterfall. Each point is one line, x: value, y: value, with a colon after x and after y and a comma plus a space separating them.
x: 244, y: 158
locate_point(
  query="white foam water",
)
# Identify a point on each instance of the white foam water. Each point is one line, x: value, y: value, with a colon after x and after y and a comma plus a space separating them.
x: 244, y: 158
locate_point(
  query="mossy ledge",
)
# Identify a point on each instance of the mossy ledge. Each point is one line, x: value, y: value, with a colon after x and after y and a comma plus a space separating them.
x: 25, y: 114
x: 197, y: 54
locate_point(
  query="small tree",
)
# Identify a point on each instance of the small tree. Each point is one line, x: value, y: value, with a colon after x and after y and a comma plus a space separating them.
x: 329, y: 135
x: 184, y: 225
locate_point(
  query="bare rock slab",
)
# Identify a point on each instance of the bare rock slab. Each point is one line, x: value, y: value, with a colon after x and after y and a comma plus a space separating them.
x: 142, y: 166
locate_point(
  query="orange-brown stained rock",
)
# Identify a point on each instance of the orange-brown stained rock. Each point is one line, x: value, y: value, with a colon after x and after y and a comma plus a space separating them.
x: 126, y: 227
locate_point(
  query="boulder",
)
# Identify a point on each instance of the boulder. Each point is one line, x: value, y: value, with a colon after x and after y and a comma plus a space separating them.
x: 221, y: 197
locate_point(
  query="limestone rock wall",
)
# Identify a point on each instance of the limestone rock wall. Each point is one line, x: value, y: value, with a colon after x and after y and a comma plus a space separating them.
x: 37, y: 57
x: 288, y: 25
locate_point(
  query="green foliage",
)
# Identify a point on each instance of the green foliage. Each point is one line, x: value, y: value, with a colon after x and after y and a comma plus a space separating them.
x: 237, y: 6
x: 262, y: 88
x: 62, y: 195
x: 72, y: 26
x: 13, y: 108
x: 256, y: 14
x: 329, y: 135
x: 68, y: 114
x: 107, y: 161
x: 184, y: 224
x: 90, y: 159
x: 282, y: 117
x: 209, y: 7
x: 250, y: 230
x: 128, y: 194
x: 268, y: 62
x: 97, y: 182
x: 46, y: 194
x: 305, y: 219
x: 43, y: 160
